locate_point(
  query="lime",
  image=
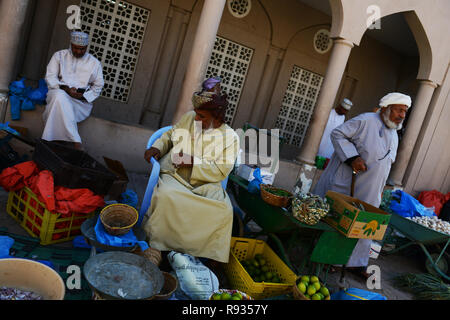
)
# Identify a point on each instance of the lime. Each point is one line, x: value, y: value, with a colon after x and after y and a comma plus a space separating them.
x: 315, y: 297
x: 264, y: 268
x: 311, y: 290
x: 328, y: 298
x: 276, y: 279
x: 324, y: 291
x: 314, y: 279
x: 269, y: 275
x: 255, y: 263
x: 258, y: 256
x: 237, y: 295
x: 262, y: 262
x: 304, y: 278
x: 216, y: 296
x: 235, y: 298
x: 316, y: 285
x: 307, y: 297
x: 321, y: 296
x: 302, y: 287
x: 225, y: 296
x: 305, y: 283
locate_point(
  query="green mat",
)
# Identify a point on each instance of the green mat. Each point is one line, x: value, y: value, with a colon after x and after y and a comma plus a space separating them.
x: 62, y: 258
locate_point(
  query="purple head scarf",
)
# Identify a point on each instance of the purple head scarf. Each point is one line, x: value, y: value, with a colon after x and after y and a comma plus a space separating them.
x: 210, y: 83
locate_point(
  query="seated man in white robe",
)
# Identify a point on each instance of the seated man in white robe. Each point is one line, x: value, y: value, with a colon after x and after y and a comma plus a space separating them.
x: 74, y: 79
x: 190, y: 212
x: 365, y: 146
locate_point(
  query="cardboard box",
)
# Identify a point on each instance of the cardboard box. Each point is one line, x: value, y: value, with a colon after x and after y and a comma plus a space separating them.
x: 375, y: 249
x: 353, y: 222
x: 120, y: 185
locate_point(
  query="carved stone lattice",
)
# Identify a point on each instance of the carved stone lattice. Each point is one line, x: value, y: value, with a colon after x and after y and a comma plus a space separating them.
x: 298, y: 105
x: 239, y: 8
x: 117, y: 30
x: 322, y: 41
x: 230, y: 61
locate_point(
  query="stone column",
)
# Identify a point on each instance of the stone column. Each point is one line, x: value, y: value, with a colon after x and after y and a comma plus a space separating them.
x: 415, y: 121
x: 13, y: 14
x: 35, y: 62
x: 330, y: 87
x: 202, y: 47
x: 262, y: 100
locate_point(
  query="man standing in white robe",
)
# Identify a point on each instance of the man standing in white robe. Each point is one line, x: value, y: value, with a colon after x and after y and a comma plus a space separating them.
x: 74, y: 79
x: 366, y: 145
x: 336, y: 118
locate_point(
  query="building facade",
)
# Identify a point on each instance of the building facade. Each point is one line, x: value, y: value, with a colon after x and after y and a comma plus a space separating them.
x: 284, y: 65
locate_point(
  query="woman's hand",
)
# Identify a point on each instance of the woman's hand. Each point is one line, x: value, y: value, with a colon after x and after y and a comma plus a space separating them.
x: 358, y: 165
x: 152, y: 153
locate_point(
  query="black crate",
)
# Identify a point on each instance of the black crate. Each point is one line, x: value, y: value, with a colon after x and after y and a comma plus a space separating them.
x: 73, y: 168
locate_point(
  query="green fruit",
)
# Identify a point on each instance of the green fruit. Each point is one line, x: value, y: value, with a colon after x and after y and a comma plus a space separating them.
x: 302, y: 287
x: 216, y: 296
x: 262, y: 262
x: 225, y: 296
x: 237, y: 295
x: 316, y: 285
x: 257, y: 271
x: 276, y: 279
x: 265, y: 269
x: 311, y: 290
x: 314, y: 279
x: 315, y: 297
x: 324, y: 291
x: 235, y: 298
x: 255, y: 263
x: 258, y: 256
x: 304, y: 279
x: 269, y: 275
x: 307, y: 297
x: 321, y: 296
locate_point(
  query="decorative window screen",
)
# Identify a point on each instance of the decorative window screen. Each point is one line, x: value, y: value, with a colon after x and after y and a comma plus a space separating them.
x: 298, y: 105
x: 230, y: 61
x: 116, y: 29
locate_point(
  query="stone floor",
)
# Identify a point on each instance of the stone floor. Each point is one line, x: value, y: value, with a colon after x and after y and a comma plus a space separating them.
x: 390, y: 265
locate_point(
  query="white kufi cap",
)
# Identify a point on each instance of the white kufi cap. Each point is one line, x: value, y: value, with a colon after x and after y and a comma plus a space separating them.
x: 395, y: 98
x: 346, y: 104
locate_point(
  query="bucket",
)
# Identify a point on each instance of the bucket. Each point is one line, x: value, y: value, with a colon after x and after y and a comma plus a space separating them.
x: 32, y: 276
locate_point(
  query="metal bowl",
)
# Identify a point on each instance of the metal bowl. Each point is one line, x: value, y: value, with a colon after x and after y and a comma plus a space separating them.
x: 121, y: 275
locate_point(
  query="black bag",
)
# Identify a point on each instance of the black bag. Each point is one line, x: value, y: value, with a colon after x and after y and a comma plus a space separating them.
x: 445, y: 212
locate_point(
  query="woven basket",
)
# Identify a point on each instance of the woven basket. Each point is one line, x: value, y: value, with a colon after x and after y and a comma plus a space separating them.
x: 151, y: 254
x: 170, y: 285
x: 272, y: 199
x: 118, y: 219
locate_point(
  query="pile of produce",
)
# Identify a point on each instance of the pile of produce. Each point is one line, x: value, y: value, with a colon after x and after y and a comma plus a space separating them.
x: 259, y: 271
x: 309, y: 208
x: 312, y: 289
x: 433, y: 223
x: 225, y: 294
x: 424, y: 286
x: 17, y: 294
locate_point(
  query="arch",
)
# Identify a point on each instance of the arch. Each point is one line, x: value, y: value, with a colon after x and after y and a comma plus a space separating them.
x: 349, y: 21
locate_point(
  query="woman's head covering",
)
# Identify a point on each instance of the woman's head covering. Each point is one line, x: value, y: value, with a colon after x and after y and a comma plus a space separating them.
x: 210, y: 83
x: 79, y: 38
x: 395, y: 98
x: 215, y: 103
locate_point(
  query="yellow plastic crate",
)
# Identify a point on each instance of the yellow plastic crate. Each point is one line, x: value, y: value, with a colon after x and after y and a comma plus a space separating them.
x: 243, y: 249
x: 25, y: 207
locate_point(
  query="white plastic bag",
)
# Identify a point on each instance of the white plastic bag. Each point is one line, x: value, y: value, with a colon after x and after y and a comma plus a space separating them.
x: 196, y: 280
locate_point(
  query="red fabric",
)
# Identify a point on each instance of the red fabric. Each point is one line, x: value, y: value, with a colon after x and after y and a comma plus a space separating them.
x: 57, y: 199
x: 434, y: 199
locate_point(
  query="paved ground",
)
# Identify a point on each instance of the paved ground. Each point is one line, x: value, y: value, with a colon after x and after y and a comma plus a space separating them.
x: 390, y: 266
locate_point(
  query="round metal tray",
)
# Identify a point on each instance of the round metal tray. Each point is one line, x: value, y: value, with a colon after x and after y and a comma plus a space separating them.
x: 123, y: 275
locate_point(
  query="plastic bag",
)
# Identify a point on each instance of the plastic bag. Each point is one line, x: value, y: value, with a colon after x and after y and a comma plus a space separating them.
x: 253, y: 186
x: 357, y: 294
x: 197, y: 282
x: 126, y: 240
x: 407, y: 206
x: 130, y: 198
x: 434, y: 199
x: 5, y: 245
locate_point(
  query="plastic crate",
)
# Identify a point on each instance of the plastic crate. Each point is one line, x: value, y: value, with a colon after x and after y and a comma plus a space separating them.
x: 73, y: 168
x: 243, y: 249
x: 33, y: 216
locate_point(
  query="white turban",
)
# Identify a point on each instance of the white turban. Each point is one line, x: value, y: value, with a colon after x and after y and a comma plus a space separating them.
x: 346, y: 104
x: 395, y: 98
x: 79, y: 38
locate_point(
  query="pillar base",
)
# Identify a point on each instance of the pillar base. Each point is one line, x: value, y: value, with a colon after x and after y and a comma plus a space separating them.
x: 305, y: 177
